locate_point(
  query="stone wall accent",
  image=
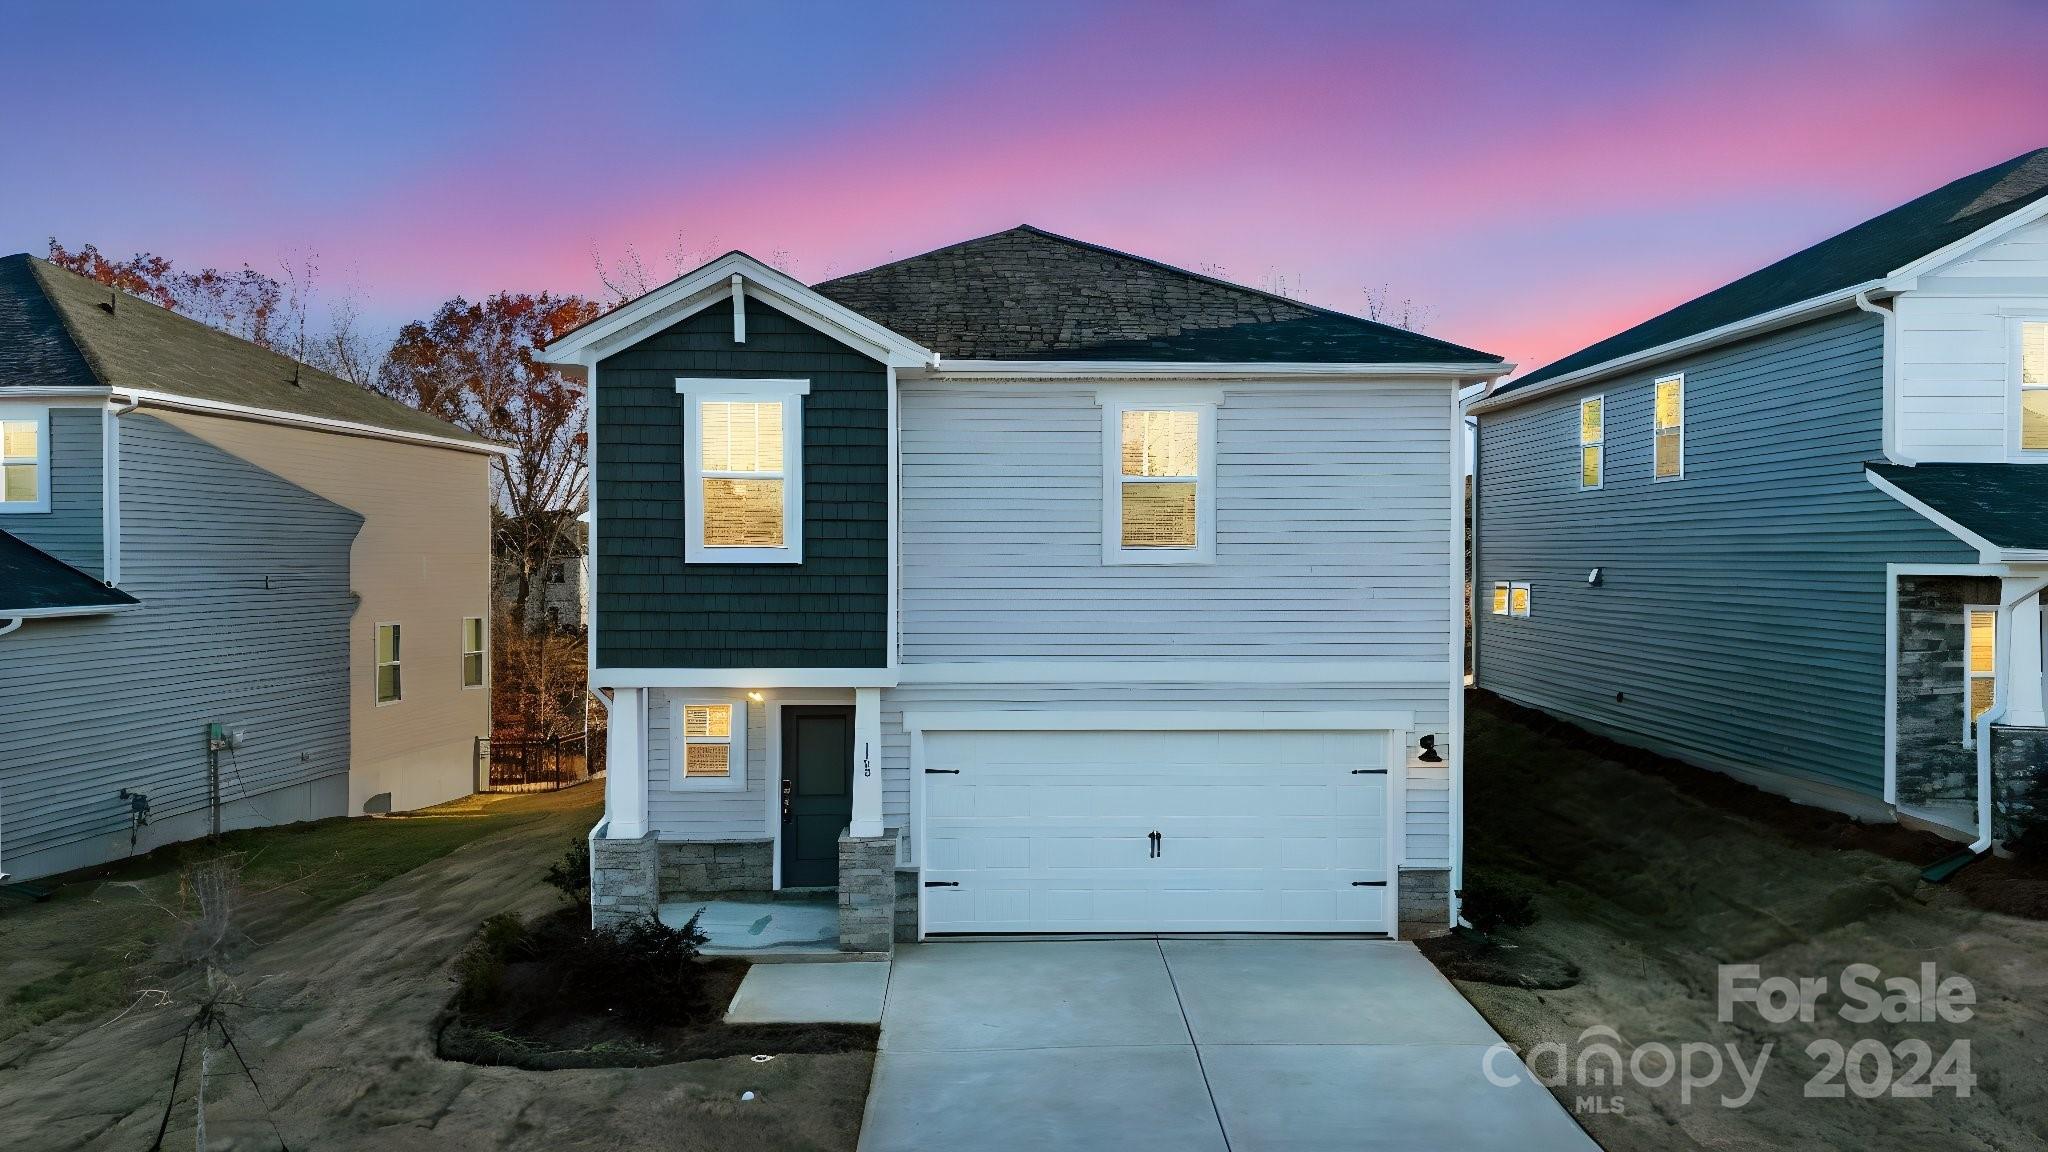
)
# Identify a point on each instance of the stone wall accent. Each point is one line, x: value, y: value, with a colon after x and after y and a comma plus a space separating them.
x: 908, y: 882
x: 1425, y: 901
x: 2019, y: 774
x: 867, y: 893
x: 712, y: 867
x: 1934, y: 766
x: 625, y: 880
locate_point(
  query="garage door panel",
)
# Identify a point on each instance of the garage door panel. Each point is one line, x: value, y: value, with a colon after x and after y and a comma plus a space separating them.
x: 1260, y: 831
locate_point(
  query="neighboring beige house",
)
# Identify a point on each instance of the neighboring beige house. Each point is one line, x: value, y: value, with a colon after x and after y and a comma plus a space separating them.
x: 234, y: 590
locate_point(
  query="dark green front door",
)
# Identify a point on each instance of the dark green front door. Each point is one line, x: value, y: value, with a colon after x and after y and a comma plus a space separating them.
x: 817, y: 793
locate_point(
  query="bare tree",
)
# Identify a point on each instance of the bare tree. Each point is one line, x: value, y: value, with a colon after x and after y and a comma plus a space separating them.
x: 1380, y: 306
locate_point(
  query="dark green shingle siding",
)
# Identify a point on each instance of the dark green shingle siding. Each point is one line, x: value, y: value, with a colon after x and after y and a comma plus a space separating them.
x: 653, y: 610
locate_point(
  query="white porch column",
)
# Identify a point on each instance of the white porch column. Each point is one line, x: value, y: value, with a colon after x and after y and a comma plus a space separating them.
x: 2024, y: 707
x: 867, y: 764
x: 625, y: 789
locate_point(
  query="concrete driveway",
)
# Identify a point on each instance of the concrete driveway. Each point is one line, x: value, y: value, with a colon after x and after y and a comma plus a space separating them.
x: 1191, y: 1046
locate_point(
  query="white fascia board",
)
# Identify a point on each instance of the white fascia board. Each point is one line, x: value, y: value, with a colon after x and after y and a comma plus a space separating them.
x: 1338, y: 673
x: 56, y: 397
x: 1908, y: 276
x: 742, y: 678
x: 1990, y: 553
x: 1785, y: 317
x: 1200, y: 370
x: 298, y: 420
x: 694, y: 291
x: 1134, y: 719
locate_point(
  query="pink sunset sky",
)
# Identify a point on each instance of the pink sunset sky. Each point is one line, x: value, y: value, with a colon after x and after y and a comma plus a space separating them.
x: 1537, y: 176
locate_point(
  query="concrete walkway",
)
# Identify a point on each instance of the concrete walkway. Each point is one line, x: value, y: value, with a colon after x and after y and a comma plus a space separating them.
x: 1191, y: 1046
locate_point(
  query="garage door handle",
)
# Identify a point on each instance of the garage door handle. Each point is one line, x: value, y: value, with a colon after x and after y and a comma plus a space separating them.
x: 1155, y: 838
x: 1368, y: 771
x: 1368, y: 883
x: 942, y: 771
x: 942, y: 883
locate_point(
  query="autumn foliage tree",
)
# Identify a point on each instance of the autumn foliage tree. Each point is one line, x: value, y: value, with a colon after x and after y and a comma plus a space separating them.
x: 257, y: 307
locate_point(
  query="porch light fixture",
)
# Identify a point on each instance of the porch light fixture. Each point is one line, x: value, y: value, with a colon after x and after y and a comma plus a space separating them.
x: 1429, y: 753
x: 1593, y: 578
x: 756, y: 697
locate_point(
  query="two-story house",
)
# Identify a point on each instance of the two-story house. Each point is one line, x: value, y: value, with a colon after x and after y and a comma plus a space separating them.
x: 225, y: 598
x: 1797, y: 529
x: 1026, y: 586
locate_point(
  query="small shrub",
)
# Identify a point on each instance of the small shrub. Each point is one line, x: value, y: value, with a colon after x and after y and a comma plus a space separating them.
x: 1490, y: 905
x: 571, y: 874
x: 480, y: 967
x: 644, y: 970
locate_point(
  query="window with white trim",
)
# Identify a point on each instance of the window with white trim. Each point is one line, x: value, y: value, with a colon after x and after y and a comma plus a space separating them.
x: 1592, y: 441
x: 472, y: 652
x: 1500, y: 599
x: 707, y: 744
x: 24, y: 459
x: 1980, y: 666
x: 1518, y: 600
x: 2033, y: 385
x: 744, y: 460
x: 1668, y: 422
x: 1158, y: 498
x: 390, y: 688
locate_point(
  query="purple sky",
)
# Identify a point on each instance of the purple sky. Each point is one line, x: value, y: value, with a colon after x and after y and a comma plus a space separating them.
x: 1539, y: 177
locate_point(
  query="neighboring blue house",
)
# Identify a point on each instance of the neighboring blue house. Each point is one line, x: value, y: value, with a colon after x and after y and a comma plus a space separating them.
x: 1027, y: 586
x: 1797, y: 529
x: 189, y: 638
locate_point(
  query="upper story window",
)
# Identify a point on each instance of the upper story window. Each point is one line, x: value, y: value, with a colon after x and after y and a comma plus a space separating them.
x: 744, y: 459
x: 389, y: 687
x: 1670, y: 428
x: 24, y: 459
x: 707, y: 745
x: 473, y: 652
x: 1518, y: 603
x: 1980, y: 674
x: 1500, y: 599
x: 1158, y: 501
x: 1592, y: 437
x: 2034, y: 385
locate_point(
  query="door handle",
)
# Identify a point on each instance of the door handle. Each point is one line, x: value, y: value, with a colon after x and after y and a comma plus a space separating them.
x: 788, y: 789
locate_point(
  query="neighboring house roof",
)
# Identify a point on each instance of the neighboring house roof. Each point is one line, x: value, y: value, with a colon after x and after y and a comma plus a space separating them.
x: 56, y: 328
x: 2004, y: 506
x: 1872, y: 250
x: 33, y: 582
x: 1027, y: 294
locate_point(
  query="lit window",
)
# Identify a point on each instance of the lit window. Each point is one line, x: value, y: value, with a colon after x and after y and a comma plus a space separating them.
x: 745, y: 464
x: 473, y: 652
x: 24, y: 459
x: 1500, y: 599
x: 1518, y: 604
x: 388, y: 684
x: 708, y: 746
x: 2034, y: 386
x: 1980, y: 677
x: 1158, y: 486
x: 1670, y: 428
x: 1592, y: 432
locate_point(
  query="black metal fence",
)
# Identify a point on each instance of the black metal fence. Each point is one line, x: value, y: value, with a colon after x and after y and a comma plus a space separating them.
x: 537, y: 765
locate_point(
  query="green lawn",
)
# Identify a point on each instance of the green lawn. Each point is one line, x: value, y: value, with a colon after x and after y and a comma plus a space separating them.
x: 101, y: 940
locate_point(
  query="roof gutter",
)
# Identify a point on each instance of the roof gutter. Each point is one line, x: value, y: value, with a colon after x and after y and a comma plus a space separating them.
x: 1777, y: 318
x: 139, y: 397
x: 1201, y: 370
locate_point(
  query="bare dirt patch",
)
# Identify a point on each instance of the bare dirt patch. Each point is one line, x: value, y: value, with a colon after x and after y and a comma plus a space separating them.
x: 1650, y: 875
x: 338, y: 1021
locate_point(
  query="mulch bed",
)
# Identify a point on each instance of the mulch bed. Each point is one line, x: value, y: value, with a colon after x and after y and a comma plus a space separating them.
x: 530, y: 1027
x: 1995, y: 883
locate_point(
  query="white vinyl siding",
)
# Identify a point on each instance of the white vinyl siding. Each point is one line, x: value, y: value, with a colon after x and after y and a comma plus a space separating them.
x: 1668, y: 429
x: 390, y: 687
x: 1592, y: 441
x: 1961, y: 353
x: 24, y: 459
x: 1339, y: 495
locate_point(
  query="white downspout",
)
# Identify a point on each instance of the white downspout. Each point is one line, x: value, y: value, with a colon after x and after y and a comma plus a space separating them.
x: 1892, y: 420
x: 2000, y: 704
x: 110, y: 489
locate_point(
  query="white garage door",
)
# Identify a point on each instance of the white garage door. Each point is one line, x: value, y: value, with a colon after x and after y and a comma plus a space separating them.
x: 1257, y: 832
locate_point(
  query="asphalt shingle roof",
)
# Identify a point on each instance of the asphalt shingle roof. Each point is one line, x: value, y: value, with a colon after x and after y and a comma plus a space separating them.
x: 2006, y: 504
x: 1870, y: 251
x: 1028, y: 294
x: 56, y: 328
x: 31, y: 579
